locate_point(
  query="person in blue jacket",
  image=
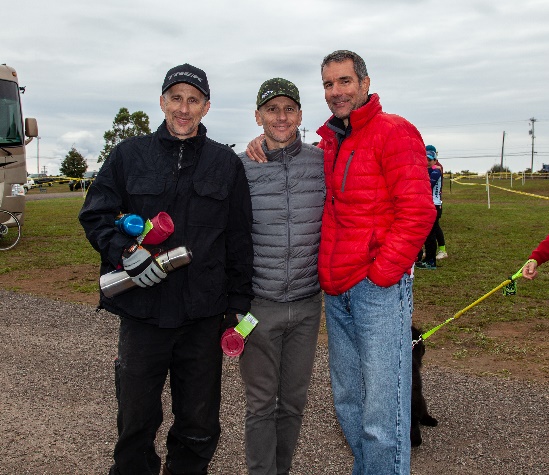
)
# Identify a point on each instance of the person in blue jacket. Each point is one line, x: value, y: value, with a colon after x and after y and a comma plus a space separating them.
x: 435, y: 176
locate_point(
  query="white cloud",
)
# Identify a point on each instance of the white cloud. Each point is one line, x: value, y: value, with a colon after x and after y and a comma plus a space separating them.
x: 461, y: 72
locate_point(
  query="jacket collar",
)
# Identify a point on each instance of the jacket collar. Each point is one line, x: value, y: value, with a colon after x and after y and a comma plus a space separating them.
x: 358, y: 119
x: 278, y: 154
x: 337, y: 126
x: 169, y: 141
x: 361, y: 116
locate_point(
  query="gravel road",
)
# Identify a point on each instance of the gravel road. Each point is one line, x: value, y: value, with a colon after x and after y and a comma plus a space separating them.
x: 58, y: 407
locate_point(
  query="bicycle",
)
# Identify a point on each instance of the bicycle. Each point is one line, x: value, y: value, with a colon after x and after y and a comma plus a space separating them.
x: 10, y: 230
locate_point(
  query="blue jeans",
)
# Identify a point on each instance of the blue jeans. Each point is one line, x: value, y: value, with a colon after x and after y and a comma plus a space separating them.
x: 369, y: 342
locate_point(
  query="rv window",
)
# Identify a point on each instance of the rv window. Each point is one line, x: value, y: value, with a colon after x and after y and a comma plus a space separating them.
x: 11, y: 123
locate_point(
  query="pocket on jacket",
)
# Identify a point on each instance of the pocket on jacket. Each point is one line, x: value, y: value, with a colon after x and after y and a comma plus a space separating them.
x: 209, y: 204
x: 145, y: 185
x: 146, y: 193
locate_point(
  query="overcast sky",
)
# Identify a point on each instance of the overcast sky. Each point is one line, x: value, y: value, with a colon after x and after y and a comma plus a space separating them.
x: 462, y: 72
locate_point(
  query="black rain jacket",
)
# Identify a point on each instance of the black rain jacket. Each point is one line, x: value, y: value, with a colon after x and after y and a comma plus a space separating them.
x: 202, y: 185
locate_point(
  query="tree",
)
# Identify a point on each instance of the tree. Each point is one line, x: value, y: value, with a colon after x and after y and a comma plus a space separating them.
x: 124, y: 125
x: 499, y: 169
x: 74, y: 164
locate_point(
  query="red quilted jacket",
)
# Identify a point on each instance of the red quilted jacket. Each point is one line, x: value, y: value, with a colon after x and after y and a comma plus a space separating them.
x: 541, y: 253
x: 379, y: 207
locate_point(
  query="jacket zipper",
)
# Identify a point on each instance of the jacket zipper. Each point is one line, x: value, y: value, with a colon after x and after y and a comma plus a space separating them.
x: 287, y: 225
x: 180, y: 158
x: 345, y: 173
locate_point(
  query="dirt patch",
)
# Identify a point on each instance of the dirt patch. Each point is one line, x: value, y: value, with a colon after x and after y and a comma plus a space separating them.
x: 517, y: 350
x: 67, y: 283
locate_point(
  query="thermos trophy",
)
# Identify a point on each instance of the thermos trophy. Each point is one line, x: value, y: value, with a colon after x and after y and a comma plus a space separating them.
x: 118, y: 281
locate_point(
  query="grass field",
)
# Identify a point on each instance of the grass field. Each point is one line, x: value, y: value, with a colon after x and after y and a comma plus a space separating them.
x: 485, y: 246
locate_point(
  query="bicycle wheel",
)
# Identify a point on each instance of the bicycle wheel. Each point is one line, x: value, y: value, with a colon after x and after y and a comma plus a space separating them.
x: 10, y: 230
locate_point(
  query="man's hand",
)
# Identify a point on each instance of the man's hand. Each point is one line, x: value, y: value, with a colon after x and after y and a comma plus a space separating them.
x: 255, y: 151
x: 529, y: 271
x: 143, y: 268
x: 229, y: 321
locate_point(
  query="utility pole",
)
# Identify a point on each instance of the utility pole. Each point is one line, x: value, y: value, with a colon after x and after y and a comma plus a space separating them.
x: 502, y: 144
x: 304, y: 130
x: 531, y: 132
x: 38, y: 154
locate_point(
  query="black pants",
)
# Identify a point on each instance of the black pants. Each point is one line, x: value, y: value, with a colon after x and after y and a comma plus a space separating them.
x: 193, y: 356
x: 438, y: 230
x: 431, y: 241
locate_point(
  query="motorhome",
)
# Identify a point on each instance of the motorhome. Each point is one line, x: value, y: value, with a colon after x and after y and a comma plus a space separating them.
x: 14, y: 135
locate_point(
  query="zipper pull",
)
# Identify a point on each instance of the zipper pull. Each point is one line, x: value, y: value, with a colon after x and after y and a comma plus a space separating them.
x: 180, y: 159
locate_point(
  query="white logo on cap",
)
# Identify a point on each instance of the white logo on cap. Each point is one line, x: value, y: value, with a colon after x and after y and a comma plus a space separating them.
x: 265, y: 94
x: 185, y: 73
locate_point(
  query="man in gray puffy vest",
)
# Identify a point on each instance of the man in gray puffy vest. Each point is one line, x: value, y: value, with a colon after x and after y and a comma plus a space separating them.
x: 288, y: 195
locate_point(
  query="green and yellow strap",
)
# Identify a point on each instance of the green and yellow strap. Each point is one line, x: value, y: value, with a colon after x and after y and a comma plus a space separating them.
x: 509, y: 288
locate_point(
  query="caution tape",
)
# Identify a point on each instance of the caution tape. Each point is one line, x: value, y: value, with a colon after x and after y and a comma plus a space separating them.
x: 457, y: 180
x: 519, y: 192
x: 60, y: 180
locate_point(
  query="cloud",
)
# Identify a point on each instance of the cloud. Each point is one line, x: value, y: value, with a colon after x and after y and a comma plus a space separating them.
x: 87, y: 143
x: 461, y: 72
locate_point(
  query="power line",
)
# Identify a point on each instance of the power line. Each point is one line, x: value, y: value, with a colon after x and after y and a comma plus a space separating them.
x: 438, y: 126
x: 495, y: 155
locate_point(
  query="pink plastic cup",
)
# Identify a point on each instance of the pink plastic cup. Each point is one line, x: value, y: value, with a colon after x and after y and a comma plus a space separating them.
x: 232, y: 343
x: 162, y: 228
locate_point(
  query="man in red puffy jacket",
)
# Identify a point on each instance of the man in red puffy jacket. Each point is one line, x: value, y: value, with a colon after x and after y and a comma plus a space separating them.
x: 378, y: 212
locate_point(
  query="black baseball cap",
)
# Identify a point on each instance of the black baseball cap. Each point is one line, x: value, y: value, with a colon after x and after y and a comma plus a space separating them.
x: 188, y: 74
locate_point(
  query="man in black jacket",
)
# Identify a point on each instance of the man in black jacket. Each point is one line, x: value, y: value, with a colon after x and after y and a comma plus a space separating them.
x: 173, y: 322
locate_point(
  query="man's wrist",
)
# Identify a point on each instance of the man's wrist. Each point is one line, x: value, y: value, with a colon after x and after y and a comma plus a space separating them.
x: 128, y: 251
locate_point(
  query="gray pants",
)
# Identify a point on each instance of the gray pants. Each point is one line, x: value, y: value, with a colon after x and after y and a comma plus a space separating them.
x: 276, y: 367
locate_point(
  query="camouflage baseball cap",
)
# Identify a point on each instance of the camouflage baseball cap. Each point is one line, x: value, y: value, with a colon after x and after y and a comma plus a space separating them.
x: 277, y: 87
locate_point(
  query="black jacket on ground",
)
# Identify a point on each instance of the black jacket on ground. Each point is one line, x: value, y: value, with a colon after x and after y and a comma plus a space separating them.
x: 202, y: 185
